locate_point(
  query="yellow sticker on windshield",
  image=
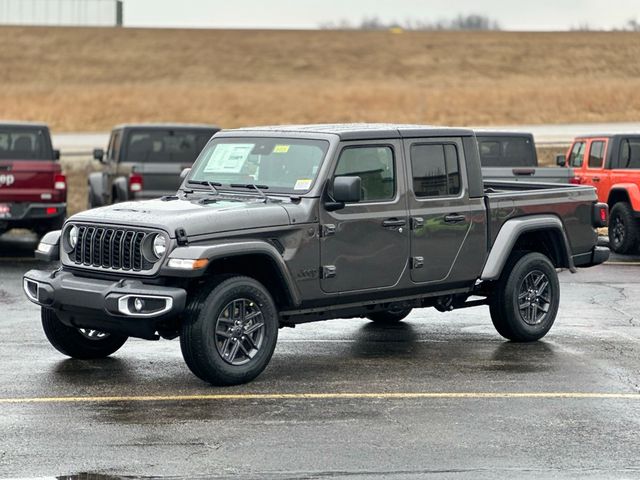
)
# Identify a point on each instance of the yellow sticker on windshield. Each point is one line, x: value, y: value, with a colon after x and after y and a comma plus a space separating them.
x: 281, y: 149
x: 303, y: 184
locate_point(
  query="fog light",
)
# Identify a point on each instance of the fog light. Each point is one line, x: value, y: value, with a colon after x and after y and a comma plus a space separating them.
x: 138, y: 304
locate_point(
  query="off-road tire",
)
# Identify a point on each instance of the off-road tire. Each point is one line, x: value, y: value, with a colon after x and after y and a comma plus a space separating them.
x: 508, y: 319
x: 624, y: 229
x: 200, y: 335
x: 389, y: 317
x: 71, y: 342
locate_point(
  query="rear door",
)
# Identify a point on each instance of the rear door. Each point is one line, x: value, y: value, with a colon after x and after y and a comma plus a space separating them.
x: 593, y: 172
x: 448, y: 229
x: 626, y: 168
x: 365, y: 245
x: 27, y: 166
x: 159, y: 155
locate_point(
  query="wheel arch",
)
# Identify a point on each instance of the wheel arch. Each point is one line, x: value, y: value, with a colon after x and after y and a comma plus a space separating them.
x: 625, y: 192
x: 539, y: 233
x: 256, y: 259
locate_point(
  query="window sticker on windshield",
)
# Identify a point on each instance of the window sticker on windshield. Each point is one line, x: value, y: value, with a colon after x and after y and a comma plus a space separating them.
x: 303, y: 184
x: 281, y: 149
x: 228, y: 158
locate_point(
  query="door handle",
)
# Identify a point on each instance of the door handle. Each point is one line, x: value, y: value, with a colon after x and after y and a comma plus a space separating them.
x: 454, y: 218
x: 394, y: 222
x: 596, y: 179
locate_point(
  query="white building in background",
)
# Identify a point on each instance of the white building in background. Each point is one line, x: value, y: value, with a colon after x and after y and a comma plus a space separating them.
x: 81, y: 13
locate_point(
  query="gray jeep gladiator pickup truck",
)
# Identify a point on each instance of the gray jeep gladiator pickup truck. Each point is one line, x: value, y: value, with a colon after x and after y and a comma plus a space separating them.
x: 277, y: 226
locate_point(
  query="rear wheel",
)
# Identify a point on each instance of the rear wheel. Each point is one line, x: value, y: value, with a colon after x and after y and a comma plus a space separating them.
x: 81, y: 343
x: 389, y: 317
x: 230, y: 331
x: 526, y: 298
x: 624, y: 229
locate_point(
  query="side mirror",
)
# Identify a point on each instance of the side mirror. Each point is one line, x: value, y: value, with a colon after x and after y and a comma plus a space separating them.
x: 98, y: 154
x: 56, y: 154
x: 184, y: 173
x: 345, y: 190
x: 561, y: 160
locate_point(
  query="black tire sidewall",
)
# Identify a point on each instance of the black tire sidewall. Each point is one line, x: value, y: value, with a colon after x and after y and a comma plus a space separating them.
x: 522, y: 331
x: 69, y: 341
x: 389, y: 316
x: 212, y: 366
x: 623, y: 211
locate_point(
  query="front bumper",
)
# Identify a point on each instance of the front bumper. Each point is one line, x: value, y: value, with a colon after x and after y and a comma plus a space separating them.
x: 127, y: 307
x: 590, y: 259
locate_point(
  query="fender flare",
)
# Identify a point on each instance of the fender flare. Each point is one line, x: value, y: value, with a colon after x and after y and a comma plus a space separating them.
x: 235, y: 249
x: 96, y: 189
x: 508, y: 236
x: 631, y: 191
x: 121, y: 186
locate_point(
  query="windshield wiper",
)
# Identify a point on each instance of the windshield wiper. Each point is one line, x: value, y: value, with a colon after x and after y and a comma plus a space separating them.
x: 257, y: 188
x: 211, y: 185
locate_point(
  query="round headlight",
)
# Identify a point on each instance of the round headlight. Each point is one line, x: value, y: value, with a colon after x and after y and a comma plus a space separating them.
x: 73, y: 237
x: 159, y: 246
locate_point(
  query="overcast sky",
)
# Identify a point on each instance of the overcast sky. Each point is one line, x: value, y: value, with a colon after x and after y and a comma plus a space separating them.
x: 511, y: 14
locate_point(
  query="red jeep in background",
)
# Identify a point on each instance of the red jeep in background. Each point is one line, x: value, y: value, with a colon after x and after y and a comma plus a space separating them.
x: 611, y: 163
x: 33, y: 190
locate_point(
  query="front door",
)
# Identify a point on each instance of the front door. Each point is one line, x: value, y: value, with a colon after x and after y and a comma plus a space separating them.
x: 365, y: 245
x: 594, y: 174
x: 448, y: 233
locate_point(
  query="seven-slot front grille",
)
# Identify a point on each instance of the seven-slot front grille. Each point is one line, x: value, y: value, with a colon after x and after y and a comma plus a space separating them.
x: 113, y: 248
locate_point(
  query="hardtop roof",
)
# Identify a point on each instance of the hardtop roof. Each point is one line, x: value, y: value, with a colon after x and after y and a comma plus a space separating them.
x: 354, y: 131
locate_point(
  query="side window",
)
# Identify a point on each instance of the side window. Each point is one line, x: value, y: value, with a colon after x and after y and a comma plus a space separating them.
x: 630, y: 153
x: 374, y: 166
x: 577, y: 154
x: 114, y: 147
x: 436, y: 170
x: 596, y: 154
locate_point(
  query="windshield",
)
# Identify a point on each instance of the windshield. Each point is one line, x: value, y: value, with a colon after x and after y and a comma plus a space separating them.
x: 24, y: 144
x: 166, y: 146
x: 281, y: 165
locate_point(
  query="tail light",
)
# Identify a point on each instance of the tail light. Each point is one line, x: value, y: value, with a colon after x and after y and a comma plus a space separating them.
x: 600, y: 216
x: 575, y: 180
x: 59, y: 182
x: 135, y: 182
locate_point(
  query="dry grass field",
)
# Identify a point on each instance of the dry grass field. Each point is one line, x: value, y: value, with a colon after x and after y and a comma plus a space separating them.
x: 81, y: 79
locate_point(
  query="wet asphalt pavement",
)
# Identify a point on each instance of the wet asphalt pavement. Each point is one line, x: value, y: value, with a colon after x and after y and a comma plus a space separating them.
x: 481, y: 407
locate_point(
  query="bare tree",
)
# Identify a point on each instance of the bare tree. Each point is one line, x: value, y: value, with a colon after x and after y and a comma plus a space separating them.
x: 461, y: 22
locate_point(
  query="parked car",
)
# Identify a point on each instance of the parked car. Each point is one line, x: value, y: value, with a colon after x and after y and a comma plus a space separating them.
x: 513, y: 156
x: 145, y: 160
x: 278, y: 226
x: 611, y: 164
x: 33, y: 190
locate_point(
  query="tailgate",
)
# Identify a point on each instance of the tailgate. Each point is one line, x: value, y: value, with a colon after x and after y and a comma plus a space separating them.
x: 29, y: 181
x: 159, y: 179
x: 528, y: 174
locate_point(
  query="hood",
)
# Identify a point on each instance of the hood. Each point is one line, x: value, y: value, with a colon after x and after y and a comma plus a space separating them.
x: 214, y: 215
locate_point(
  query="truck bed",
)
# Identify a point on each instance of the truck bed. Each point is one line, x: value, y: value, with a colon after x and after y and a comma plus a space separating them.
x: 573, y: 204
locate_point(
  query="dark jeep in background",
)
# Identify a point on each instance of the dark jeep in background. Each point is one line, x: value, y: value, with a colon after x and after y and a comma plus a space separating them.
x: 284, y: 225
x: 513, y: 156
x: 145, y: 160
x: 33, y: 190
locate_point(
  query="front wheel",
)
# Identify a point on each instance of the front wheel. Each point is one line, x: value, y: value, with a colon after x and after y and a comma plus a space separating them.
x: 80, y: 343
x: 230, y: 331
x: 525, y: 302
